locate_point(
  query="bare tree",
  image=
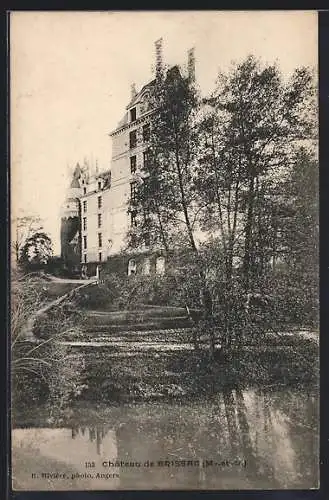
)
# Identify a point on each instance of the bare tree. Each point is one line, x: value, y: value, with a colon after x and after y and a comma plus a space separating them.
x: 24, y: 227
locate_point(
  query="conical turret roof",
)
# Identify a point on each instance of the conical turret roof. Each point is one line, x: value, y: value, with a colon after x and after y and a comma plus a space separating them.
x: 76, y: 176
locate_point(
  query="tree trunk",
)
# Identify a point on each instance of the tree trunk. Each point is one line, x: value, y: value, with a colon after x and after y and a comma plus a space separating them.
x: 208, y: 318
x: 248, y: 236
x: 205, y: 293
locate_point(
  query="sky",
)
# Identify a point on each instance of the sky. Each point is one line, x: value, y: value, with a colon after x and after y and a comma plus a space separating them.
x: 71, y: 74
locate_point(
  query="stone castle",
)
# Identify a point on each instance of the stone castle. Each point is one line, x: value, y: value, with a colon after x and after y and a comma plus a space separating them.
x: 95, y: 217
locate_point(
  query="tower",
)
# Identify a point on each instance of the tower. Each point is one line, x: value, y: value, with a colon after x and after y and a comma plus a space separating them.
x: 158, y: 58
x: 191, y: 64
x: 70, y: 224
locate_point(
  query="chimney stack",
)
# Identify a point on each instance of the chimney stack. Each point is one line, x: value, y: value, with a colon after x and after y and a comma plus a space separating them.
x: 133, y: 91
x: 191, y: 64
x: 158, y: 57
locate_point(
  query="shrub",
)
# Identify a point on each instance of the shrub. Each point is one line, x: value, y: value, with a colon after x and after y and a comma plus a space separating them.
x: 129, y: 292
x: 41, y: 370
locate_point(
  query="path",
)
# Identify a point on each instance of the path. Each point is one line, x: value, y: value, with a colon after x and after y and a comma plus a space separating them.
x: 155, y: 329
x: 70, y: 280
x: 27, y: 332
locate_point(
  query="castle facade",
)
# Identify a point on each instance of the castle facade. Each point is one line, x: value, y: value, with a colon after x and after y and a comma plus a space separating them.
x: 95, y: 217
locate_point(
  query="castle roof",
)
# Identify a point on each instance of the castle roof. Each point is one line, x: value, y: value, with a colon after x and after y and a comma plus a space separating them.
x: 124, y: 120
x: 76, y: 176
x: 137, y: 97
x: 106, y: 176
x: 172, y: 71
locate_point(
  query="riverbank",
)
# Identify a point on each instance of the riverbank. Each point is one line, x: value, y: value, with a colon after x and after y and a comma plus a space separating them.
x: 179, y: 376
x: 252, y: 438
x: 150, y: 353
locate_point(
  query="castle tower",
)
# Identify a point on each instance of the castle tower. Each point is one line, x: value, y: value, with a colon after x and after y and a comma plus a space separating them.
x: 191, y: 64
x: 70, y: 224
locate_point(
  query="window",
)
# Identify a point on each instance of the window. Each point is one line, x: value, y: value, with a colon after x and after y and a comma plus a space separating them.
x: 85, y: 242
x: 100, y: 256
x: 146, y: 133
x: 85, y: 206
x: 160, y: 266
x: 84, y: 190
x: 99, y: 239
x: 131, y: 267
x: 85, y: 258
x: 99, y: 185
x: 99, y: 220
x: 133, y: 191
x: 85, y: 223
x: 133, y: 164
x: 146, y: 158
x: 147, y: 266
x: 133, y: 139
x: 133, y: 218
x: 146, y: 212
x: 147, y: 239
x: 133, y: 114
x: 147, y: 186
x: 99, y: 202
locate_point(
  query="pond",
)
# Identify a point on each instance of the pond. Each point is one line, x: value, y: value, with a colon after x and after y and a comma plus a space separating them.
x: 236, y: 439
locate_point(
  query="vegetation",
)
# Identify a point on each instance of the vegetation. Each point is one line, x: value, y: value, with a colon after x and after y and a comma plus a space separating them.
x: 42, y: 370
x: 36, y: 251
x: 228, y: 192
x: 23, y: 228
x: 220, y: 192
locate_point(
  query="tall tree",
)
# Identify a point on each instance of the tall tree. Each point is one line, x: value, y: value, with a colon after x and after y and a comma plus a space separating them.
x: 37, y: 250
x: 299, y: 233
x: 254, y: 124
x: 22, y: 228
x: 164, y: 204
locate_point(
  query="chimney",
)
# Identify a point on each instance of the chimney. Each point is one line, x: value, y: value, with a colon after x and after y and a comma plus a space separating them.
x: 133, y: 90
x: 158, y: 57
x: 191, y: 64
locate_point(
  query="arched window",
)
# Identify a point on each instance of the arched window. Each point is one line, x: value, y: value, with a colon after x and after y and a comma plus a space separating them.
x: 131, y: 267
x: 147, y: 266
x: 160, y: 266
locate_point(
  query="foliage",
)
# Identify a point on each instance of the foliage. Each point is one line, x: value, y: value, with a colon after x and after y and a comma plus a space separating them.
x: 164, y: 205
x: 253, y: 125
x: 218, y: 189
x: 102, y: 296
x: 42, y: 370
x: 59, y: 320
x: 24, y: 227
x: 36, y: 251
x: 55, y: 266
x: 130, y: 292
x: 163, y: 198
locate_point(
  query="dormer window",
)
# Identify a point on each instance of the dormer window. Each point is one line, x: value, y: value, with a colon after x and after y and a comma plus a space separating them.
x: 99, y: 185
x: 133, y: 114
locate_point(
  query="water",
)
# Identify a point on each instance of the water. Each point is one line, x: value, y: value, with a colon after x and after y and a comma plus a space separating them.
x: 235, y: 440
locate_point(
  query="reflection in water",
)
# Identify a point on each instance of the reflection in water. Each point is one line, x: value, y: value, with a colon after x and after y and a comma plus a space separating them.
x: 250, y: 439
